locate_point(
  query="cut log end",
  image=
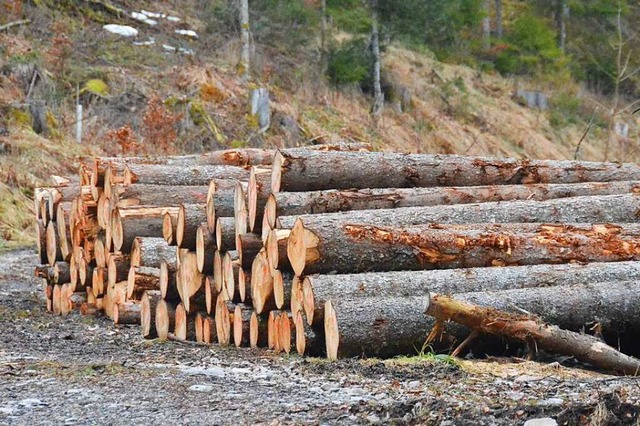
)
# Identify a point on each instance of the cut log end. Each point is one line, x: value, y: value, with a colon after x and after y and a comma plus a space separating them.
x: 301, y: 339
x: 270, y: 212
x: 308, y: 300
x: 254, y: 330
x: 169, y: 229
x: 276, y: 172
x: 331, y: 333
x: 223, y: 322
x: 180, y: 225
x: 165, y: 319
x: 278, y: 289
x: 211, y: 214
x: 237, y: 326
x: 296, y: 249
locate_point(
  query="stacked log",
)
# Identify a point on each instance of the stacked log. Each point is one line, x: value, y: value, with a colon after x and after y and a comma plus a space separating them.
x: 336, y: 250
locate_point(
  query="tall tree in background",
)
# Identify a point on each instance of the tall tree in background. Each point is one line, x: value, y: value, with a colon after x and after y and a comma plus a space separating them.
x: 378, y: 96
x: 499, y: 30
x: 245, y: 37
x: 486, y: 25
x: 561, y: 12
x: 323, y: 35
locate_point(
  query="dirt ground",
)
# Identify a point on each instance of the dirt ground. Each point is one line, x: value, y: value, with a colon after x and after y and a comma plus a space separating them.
x: 85, y: 370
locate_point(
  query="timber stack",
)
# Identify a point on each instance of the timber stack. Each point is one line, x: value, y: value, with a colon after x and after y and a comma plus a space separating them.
x: 338, y: 251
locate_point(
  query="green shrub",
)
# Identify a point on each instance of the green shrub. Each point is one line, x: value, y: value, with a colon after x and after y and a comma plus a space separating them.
x: 349, y: 63
x: 531, y: 48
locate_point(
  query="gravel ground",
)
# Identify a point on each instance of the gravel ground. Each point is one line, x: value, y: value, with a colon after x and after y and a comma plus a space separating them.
x: 85, y: 370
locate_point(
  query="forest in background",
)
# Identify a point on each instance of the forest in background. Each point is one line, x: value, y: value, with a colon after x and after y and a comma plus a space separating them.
x: 454, y: 77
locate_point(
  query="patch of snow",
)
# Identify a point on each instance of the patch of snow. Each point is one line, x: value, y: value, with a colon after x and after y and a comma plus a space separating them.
x: 173, y: 19
x: 143, y: 18
x: 168, y: 48
x: 149, y: 42
x: 185, y: 51
x: 123, y: 30
x: 187, y: 33
x: 152, y: 14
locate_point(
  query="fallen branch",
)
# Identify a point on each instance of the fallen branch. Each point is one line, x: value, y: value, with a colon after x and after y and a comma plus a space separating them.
x: 5, y: 27
x: 583, y: 347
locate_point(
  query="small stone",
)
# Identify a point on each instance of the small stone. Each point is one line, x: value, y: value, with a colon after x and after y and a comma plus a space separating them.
x: 372, y: 418
x: 357, y: 391
x: 30, y: 402
x: 7, y: 410
x: 543, y: 421
x: 413, y: 384
x: 201, y: 388
x: 551, y: 402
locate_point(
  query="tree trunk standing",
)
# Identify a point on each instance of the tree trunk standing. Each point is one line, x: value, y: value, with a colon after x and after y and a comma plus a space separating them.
x: 245, y: 38
x: 526, y: 329
x: 378, y: 96
x: 323, y: 36
x: 317, y: 289
x: 561, y: 12
x: 312, y: 171
x: 486, y: 26
x: 499, y: 31
x: 360, y: 248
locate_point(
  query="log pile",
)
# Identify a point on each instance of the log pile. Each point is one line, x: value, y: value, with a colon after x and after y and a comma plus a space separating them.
x: 338, y: 251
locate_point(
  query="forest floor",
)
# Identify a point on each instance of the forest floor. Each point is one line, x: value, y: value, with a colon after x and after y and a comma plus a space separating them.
x: 84, y: 370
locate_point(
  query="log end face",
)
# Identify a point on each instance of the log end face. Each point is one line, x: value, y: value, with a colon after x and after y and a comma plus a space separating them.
x: 331, y: 331
x: 296, y: 250
x: 276, y: 172
x: 237, y: 326
x: 168, y: 232
x: 308, y: 299
x: 253, y: 330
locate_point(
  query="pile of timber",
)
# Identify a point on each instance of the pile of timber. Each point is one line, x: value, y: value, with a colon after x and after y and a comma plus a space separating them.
x: 339, y: 251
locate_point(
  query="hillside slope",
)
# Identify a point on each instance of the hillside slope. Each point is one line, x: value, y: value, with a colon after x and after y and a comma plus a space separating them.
x: 168, y: 92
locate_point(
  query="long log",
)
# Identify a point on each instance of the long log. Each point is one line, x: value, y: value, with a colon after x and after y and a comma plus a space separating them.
x: 157, y: 195
x: 375, y: 326
x: 309, y: 171
x: 526, y: 329
x: 307, y: 229
x: 181, y: 175
x: 118, y: 269
x: 62, y: 216
x: 127, y: 223
x: 151, y: 252
x: 330, y: 201
x: 148, y: 306
x: 317, y: 289
x: 257, y: 195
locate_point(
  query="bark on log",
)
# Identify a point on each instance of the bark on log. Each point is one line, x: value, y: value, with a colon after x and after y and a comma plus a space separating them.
x: 286, y: 332
x: 151, y: 251
x: 211, y: 294
x: 310, y: 233
x: 169, y: 225
x: 205, y: 247
x: 526, y: 329
x: 181, y: 175
x: 157, y: 195
x: 165, y: 319
x: 98, y: 282
x: 221, y: 200
x: 276, y: 248
x: 396, y: 325
x: 142, y: 279
x: 308, y: 340
x: 309, y: 171
x: 248, y: 246
x: 190, y: 216
x: 190, y: 283
x: 226, y: 233
x: 330, y: 201
x: 148, y: 306
x: 126, y: 313
x: 317, y: 289
x: 261, y: 283
x: 127, y: 223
